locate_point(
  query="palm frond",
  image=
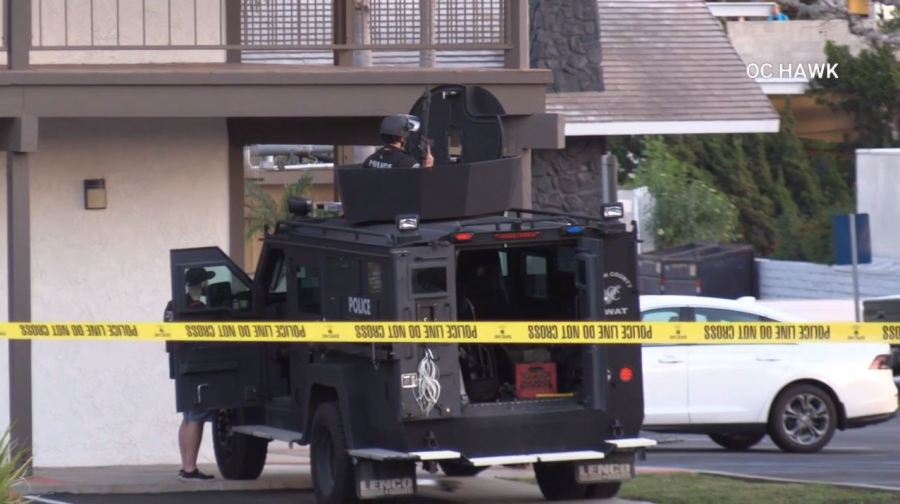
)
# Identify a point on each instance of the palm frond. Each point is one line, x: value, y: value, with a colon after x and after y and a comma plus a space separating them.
x: 262, y: 211
x: 13, y: 467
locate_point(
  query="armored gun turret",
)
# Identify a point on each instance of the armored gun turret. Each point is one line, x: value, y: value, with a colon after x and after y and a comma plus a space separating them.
x: 471, y: 178
x: 425, y: 245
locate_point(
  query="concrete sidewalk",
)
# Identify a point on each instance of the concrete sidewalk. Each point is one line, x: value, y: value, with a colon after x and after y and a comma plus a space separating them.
x: 286, y: 469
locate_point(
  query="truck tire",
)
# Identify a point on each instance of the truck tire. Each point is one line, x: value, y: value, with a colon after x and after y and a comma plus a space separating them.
x: 803, y: 419
x: 459, y: 470
x: 239, y: 456
x: 332, y: 468
x: 603, y: 490
x: 737, y: 441
x: 557, y: 481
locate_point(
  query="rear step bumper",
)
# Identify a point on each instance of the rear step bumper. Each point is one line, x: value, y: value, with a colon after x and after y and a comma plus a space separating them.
x: 381, y: 454
x: 622, y: 444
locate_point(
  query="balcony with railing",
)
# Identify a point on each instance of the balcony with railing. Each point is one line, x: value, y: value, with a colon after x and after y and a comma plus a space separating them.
x: 385, y: 33
x: 345, y: 59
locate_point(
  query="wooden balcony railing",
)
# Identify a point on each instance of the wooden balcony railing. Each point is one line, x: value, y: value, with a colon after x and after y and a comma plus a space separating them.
x: 74, y: 31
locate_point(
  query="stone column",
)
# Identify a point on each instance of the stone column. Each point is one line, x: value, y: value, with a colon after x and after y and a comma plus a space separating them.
x: 569, y: 180
x: 565, y: 38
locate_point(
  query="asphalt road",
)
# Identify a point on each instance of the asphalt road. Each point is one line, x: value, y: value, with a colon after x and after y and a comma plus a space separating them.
x: 479, y: 490
x: 870, y: 456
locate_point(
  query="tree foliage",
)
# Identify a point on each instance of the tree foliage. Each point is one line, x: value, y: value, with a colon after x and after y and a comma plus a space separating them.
x: 686, y: 207
x: 784, y: 190
x: 868, y: 89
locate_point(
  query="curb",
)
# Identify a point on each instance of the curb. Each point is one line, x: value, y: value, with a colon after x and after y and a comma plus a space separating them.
x: 768, y: 479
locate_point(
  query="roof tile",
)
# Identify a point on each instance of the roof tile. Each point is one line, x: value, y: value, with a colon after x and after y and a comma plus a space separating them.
x: 665, y: 60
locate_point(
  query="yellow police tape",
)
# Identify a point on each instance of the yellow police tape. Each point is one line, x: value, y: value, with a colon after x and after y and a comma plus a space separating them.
x: 463, y: 332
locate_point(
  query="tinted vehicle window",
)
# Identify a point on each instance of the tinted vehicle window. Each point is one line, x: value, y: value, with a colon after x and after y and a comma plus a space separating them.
x: 278, y: 280
x: 309, y: 298
x: 215, y: 287
x: 429, y: 280
x: 720, y: 315
x: 661, y: 315
x: 536, y: 276
x: 373, y: 278
x: 344, y: 274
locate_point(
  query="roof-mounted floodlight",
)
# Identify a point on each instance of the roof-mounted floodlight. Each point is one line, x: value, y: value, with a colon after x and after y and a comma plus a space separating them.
x: 613, y: 211
x: 408, y: 222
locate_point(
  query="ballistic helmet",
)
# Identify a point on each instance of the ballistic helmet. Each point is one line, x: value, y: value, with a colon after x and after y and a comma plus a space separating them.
x: 399, y: 125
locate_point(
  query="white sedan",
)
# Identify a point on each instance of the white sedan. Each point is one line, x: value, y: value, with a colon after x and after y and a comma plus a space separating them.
x: 798, y: 394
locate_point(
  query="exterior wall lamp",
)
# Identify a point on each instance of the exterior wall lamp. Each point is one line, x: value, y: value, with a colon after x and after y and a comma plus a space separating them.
x: 94, y: 194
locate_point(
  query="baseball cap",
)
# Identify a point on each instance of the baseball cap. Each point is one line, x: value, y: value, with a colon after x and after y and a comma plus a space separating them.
x: 196, y: 276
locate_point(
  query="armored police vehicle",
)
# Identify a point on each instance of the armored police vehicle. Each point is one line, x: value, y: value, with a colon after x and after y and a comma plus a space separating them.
x: 423, y: 245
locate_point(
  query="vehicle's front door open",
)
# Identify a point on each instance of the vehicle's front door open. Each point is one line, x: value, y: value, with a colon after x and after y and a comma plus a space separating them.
x: 208, y: 286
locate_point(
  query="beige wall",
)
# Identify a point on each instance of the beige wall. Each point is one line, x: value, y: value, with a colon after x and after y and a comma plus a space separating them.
x: 792, y: 42
x: 877, y: 181
x: 112, y: 403
x: 126, y: 23
x: 816, y: 121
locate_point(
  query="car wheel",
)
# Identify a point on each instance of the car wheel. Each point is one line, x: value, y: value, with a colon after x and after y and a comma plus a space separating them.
x: 332, y: 468
x: 459, y: 469
x: 238, y: 456
x: 557, y: 481
x: 803, y: 419
x: 737, y: 441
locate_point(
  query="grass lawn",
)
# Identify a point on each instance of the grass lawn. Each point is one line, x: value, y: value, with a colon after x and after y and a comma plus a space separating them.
x: 700, y: 489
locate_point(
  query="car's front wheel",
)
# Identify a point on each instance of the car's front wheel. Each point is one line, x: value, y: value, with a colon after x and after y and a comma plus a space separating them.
x: 803, y: 419
x: 737, y: 441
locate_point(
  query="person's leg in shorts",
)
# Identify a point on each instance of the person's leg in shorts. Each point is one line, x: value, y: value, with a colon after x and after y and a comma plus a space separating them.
x: 190, y: 434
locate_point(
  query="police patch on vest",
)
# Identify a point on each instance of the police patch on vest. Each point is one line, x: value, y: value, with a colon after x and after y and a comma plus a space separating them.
x: 357, y: 305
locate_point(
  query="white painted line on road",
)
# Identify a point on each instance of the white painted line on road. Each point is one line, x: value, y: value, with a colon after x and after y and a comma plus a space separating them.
x: 35, y: 498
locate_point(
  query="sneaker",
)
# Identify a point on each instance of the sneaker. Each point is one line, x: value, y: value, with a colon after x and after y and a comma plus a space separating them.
x: 194, y: 475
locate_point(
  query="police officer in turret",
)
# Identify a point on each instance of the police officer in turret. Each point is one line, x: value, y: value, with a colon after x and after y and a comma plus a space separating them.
x: 395, y: 130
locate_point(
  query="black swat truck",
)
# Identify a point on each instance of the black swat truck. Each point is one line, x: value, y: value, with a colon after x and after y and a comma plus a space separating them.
x: 428, y: 245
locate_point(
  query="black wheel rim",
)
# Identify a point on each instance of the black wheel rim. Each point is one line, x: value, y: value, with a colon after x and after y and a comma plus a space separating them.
x: 324, y: 461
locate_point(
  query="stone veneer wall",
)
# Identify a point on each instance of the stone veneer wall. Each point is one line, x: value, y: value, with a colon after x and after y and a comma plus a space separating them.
x: 565, y: 37
x: 569, y: 180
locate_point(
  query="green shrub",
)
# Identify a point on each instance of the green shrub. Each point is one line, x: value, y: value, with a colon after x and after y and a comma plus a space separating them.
x: 12, y: 471
x: 687, y: 207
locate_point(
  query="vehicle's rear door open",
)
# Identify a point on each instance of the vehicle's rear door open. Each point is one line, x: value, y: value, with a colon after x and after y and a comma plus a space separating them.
x: 589, y: 285
x: 607, y: 290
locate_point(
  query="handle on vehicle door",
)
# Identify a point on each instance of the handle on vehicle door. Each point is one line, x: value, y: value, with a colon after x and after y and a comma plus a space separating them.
x: 670, y: 359
x: 200, y: 389
x: 768, y: 358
